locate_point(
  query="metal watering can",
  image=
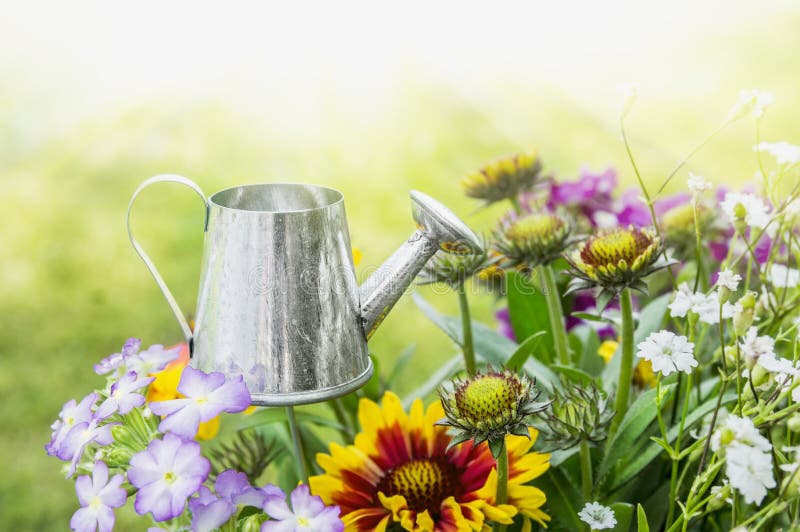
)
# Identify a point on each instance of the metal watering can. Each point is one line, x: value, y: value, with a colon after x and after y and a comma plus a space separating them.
x: 278, y: 301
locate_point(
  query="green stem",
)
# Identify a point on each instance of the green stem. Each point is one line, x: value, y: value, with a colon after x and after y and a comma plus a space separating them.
x: 586, y: 471
x: 294, y: 429
x: 466, y: 326
x: 555, y: 312
x: 515, y: 204
x: 341, y: 417
x: 502, y: 481
x: 626, y: 364
x: 673, y: 481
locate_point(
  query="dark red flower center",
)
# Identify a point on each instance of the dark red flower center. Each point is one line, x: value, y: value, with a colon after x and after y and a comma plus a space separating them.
x: 424, y: 483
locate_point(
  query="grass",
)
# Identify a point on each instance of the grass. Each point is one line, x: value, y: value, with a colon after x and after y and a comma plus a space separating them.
x: 73, y: 290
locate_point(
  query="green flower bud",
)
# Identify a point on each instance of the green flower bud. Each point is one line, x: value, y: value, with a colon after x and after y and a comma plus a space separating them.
x: 743, y: 319
x: 576, y: 414
x: 488, y: 406
x: 758, y: 374
x: 452, y: 269
x: 536, y: 239
x: 721, y: 498
x: 793, y: 424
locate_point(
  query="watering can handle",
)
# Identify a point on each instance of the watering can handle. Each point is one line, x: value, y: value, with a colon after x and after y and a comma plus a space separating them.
x: 166, y: 178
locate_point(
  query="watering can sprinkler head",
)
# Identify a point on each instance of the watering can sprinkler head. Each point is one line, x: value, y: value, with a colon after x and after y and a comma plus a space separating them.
x: 437, y: 228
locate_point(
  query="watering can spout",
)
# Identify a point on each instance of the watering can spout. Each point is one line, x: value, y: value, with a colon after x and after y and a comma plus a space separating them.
x: 437, y: 228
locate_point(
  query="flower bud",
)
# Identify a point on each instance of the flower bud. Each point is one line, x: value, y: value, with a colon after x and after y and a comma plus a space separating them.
x: 758, y: 375
x: 536, y: 239
x: 576, y: 414
x: 793, y: 424
x: 503, y: 178
x: 743, y: 319
x: 720, y: 499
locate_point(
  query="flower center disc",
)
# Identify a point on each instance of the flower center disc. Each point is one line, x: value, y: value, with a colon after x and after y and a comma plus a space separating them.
x: 424, y: 483
x: 486, y: 398
x: 612, y: 247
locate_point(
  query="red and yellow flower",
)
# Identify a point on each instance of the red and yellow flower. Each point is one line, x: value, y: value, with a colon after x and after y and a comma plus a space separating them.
x: 399, y: 471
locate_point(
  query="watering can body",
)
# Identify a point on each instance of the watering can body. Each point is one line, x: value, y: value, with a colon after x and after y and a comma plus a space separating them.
x: 278, y: 301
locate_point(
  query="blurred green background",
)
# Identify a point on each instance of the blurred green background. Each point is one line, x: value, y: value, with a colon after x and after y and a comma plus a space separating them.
x: 95, y: 98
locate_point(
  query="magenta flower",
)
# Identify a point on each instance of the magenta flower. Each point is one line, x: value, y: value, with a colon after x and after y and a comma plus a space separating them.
x: 307, y: 512
x: 123, y: 397
x: 207, y: 395
x: 72, y: 413
x: 98, y: 496
x: 503, y: 317
x: 167, y: 473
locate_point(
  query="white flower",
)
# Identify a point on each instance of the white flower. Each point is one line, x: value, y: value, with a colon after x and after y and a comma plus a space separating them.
x: 739, y: 430
x: 751, y: 101
x: 729, y: 280
x: 746, y: 207
x: 597, y: 516
x: 705, y: 306
x: 781, y: 276
x: 749, y: 471
x: 754, y: 347
x: 698, y: 184
x: 668, y: 352
x: 783, y: 152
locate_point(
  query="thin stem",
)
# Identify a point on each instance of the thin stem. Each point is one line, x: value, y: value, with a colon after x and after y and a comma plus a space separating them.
x: 698, y: 243
x: 673, y: 481
x: 515, y: 204
x: 502, y: 481
x: 466, y: 325
x: 342, y: 418
x: 555, y: 312
x: 586, y: 471
x: 626, y: 364
x: 294, y: 429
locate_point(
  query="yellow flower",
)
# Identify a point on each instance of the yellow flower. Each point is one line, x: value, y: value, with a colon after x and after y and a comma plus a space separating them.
x: 643, y: 375
x: 399, y: 473
x: 538, y: 238
x: 165, y: 388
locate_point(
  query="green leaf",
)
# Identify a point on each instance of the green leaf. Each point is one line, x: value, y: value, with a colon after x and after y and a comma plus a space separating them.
x: 641, y: 519
x: 650, y: 319
x: 591, y: 317
x: 623, y: 511
x: 400, y: 364
x: 572, y: 374
x: 524, y: 350
x: 640, y: 415
x: 527, y: 308
x: 489, y: 344
x: 640, y: 460
x: 584, y: 341
x: 562, y: 498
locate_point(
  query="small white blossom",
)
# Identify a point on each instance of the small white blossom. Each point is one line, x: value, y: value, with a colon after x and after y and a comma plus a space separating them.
x: 748, y: 208
x: 751, y: 101
x: 698, y: 184
x: 729, y: 280
x: 781, y: 276
x: 705, y: 306
x: 668, y: 352
x: 783, y: 152
x: 749, y: 471
x: 754, y: 347
x: 740, y: 430
x: 597, y: 516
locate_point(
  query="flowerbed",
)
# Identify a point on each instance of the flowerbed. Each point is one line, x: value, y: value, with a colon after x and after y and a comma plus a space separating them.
x: 645, y: 375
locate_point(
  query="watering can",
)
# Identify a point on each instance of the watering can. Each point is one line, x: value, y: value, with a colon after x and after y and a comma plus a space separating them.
x: 278, y: 301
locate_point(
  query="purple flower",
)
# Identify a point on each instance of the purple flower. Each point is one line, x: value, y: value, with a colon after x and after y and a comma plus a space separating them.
x: 123, y: 397
x: 115, y: 361
x: 208, y: 511
x: 631, y: 210
x: 167, y: 473
x: 308, y: 511
x: 503, y: 318
x: 97, y: 495
x: 588, y: 187
x: 82, y: 435
x: 211, y: 511
x: 72, y: 413
x: 207, y: 395
x: 153, y: 359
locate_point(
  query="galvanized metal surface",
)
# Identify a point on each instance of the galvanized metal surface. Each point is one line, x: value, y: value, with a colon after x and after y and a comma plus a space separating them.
x: 278, y: 300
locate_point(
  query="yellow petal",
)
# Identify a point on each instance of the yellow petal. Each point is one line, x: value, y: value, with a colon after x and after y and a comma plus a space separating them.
x: 208, y: 429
